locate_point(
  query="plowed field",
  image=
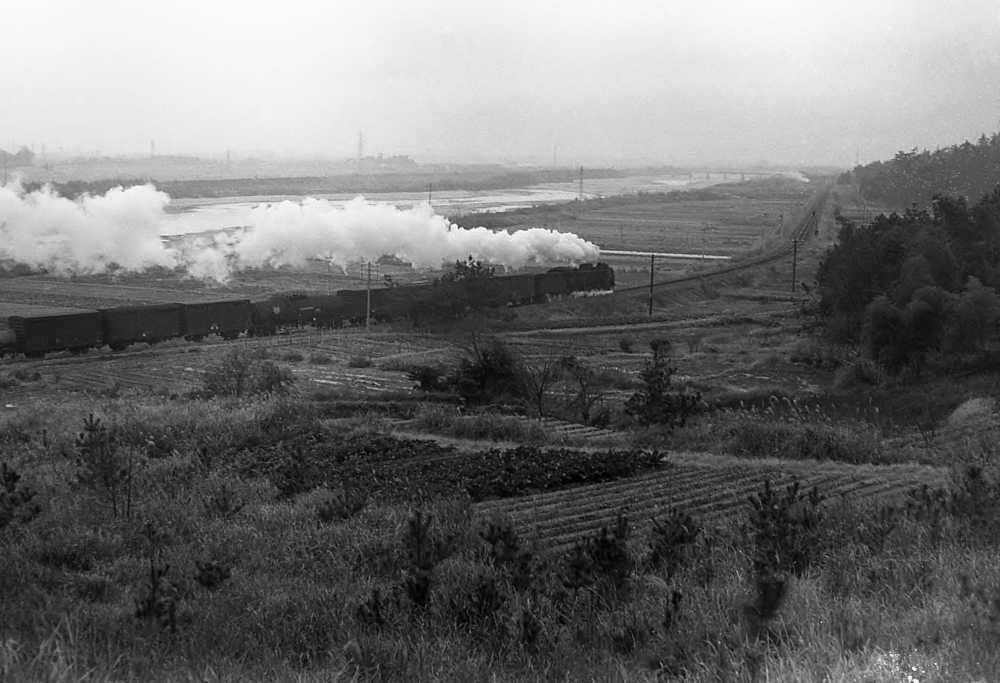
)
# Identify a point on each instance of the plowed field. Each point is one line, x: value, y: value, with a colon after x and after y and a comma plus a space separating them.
x: 710, y: 488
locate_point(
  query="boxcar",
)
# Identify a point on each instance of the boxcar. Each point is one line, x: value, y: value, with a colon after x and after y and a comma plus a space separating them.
x: 57, y: 329
x: 224, y: 318
x: 519, y: 289
x: 551, y: 284
x: 125, y: 325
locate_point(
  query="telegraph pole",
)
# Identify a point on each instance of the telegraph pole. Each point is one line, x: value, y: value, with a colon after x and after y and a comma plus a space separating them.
x: 652, y: 270
x: 581, y: 183
x: 795, y: 251
x: 368, y: 307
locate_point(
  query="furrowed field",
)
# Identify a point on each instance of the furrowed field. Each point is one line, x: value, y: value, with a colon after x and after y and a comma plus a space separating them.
x: 487, y: 500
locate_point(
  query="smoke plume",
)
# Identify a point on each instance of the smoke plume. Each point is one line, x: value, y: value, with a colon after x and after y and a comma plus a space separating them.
x: 122, y: 230
x: 93, y: 235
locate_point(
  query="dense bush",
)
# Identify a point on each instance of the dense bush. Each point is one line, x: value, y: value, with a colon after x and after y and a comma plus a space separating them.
x: 655, y: 402
x: 915, y: 284
x: 241, y: 373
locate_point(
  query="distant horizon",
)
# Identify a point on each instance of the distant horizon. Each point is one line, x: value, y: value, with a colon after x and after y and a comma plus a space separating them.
x: 427, y: 159
x: 769, y: 83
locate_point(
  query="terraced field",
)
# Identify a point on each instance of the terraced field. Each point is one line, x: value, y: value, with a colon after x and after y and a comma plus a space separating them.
x: 177, y: 366
x: 709, y: 487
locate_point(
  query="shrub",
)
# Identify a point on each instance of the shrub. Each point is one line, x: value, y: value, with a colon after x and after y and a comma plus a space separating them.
x: 428, y: 377
x: 359, y: 362
x: 318, y: 358
x: 292, y: 356
x: 489, y: 372
x: 241, y: 373
x: 655, y: 403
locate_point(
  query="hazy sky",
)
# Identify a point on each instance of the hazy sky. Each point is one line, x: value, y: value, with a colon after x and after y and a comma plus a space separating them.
x: 665, y: 81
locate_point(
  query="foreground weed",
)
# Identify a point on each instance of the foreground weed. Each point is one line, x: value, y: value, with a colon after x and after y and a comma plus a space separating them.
x: 224, y: 502
x: 341, y: 505
x: 375, y: 612
x: 210, y: 575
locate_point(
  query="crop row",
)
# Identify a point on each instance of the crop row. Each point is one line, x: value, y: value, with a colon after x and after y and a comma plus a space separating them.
x: 558, y: 519
x: 395, y: 469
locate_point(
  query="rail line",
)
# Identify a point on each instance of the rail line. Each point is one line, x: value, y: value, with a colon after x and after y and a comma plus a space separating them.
x: 807, y: 224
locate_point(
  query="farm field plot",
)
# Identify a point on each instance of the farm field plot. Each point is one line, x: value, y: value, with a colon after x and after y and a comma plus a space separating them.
x: 709, y: 488
x: 46, y: 290
x: 179, y: 367
x: 736, y: 350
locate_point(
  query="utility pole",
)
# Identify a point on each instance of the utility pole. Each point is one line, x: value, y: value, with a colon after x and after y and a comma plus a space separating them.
x: 368, y: 308
x: 652, y: 270
x: 430, y: 190
x: 581, y: 183
x: 795, y: 253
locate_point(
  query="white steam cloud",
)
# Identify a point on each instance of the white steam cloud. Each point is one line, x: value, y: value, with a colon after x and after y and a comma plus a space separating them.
x: 122, y: 230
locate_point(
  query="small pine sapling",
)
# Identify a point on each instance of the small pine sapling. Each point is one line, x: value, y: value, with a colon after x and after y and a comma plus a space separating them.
x: 102, y: 466
x: 15, y: 500
x: 158, y: 601
x: 420, y: 549
x: 672, y: 538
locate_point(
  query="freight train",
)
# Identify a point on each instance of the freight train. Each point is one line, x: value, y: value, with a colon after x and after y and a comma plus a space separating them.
x: 79, y: 330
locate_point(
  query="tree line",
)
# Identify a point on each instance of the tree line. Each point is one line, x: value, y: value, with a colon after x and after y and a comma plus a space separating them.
x: 915, y: 178
x: 916, y: 284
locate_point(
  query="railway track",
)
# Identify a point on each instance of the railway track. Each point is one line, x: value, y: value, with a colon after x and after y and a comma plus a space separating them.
x: 807, y: 225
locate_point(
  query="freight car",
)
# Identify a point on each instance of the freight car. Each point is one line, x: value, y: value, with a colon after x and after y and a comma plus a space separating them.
x: 228, y: 319
x: 34, y: 333
x: 126, y: 325
x: 53, y: 329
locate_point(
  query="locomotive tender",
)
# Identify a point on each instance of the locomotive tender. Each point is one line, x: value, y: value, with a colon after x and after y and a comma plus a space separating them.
x: 79, y: 330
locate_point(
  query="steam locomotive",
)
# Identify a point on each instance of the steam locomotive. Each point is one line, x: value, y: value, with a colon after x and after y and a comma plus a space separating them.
x: 79, y: 330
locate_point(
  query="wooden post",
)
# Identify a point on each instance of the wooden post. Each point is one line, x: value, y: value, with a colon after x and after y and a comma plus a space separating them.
x: 795, y: 250
x: 368, y: 307
x: 652, y: 269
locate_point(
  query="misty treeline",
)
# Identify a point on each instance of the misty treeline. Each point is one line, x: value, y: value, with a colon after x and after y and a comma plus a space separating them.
x: 914, y: 178
x: 474, y: 179
x: 916, y: 285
